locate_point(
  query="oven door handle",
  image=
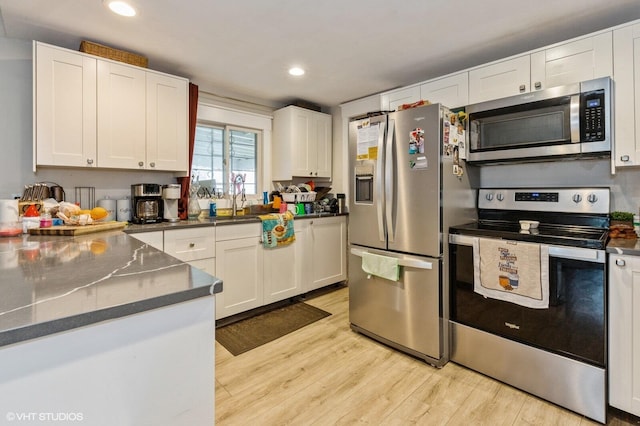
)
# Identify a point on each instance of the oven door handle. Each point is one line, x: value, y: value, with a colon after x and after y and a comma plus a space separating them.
x: 462, y: 240
x: 577, y: 253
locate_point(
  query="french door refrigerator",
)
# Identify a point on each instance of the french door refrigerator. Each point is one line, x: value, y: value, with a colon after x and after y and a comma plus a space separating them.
x: 408, y: 185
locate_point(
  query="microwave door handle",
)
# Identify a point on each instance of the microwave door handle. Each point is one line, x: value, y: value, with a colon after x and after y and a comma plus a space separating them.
x: 574, y: 119
x: 379, y: 182
x: 389, y: 180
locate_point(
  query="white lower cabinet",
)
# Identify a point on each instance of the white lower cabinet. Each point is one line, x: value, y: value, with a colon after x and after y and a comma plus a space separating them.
x: 239, y: 263
x: 624, y: 333
x: 284, y: 269
x: 255, y: 276
x: 196, y: 246
x: 328, y: 243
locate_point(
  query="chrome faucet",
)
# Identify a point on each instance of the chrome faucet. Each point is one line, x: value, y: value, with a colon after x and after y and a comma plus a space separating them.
x: 238, y: 184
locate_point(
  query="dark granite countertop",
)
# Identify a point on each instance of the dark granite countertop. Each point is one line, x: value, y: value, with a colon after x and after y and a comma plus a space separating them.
x: 51, y: 284
x: 214, y: 221
x: 624, y: 246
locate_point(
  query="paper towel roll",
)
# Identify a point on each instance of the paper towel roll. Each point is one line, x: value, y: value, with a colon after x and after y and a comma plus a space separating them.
x: 110, y: 206
x: 123, y: 210
x: 8, y: 211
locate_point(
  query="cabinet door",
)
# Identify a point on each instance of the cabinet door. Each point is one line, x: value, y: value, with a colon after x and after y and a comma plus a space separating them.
x: 65, y: 107
x: 499, y: 80
x: 452, y: 91
x: 282, y: 267
x: 569, y: 63
x: 167, y: 123
x: 329, y: 248
x: 323, y: 148
x: 301, y: 142
x: 239, y: 263
x: 626, y: 48
x: 121, y: 116
x: 624, y: 335
x: 390, y: 101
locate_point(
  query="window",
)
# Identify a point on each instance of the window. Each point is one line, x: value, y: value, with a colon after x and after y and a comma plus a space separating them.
x: 222, y: 151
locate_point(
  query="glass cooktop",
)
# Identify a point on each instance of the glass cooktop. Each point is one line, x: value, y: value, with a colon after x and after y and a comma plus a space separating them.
x: 567, y: 235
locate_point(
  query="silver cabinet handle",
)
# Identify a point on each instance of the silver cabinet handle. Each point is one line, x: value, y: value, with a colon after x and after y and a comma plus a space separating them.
x: 621, y: 262
x: 522, y: 88
x: 140, y: 163
x: 625, y: 158
x: 89, y: 161
x: 152, y: 164
x: 537, y: 85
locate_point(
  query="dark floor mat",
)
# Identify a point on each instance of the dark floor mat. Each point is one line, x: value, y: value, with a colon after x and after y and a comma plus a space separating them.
x: 250, y: 333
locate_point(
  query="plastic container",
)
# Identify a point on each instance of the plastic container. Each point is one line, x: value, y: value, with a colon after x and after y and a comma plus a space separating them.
x: 10, y: 229
x: 298, y: 197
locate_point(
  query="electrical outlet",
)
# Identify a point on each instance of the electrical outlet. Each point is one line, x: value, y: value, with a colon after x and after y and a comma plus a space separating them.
x: 14, y: 196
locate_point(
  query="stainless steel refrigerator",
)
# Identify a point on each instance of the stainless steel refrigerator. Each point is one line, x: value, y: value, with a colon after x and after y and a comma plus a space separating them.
x: 409, y: 183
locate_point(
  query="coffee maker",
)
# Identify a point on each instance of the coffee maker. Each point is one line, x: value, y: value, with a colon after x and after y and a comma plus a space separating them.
x: 146, y: 203
x: 171, y: 196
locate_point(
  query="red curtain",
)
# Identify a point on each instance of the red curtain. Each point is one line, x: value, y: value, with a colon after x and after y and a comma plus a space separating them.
x: 185, y: 181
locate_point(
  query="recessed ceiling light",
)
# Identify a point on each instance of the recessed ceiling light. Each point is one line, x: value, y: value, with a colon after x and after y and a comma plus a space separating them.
x: 121, y: 8
x: 296, y: 71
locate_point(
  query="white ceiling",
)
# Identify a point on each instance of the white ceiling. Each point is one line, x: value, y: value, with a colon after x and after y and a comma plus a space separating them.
x: 350, y: 48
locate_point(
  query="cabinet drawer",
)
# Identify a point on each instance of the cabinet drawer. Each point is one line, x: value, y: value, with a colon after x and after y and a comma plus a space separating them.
x: 191, y: 244
x: 232, y: 232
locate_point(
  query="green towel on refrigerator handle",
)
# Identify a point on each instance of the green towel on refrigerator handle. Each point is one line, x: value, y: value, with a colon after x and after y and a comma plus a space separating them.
x: 381, y: 266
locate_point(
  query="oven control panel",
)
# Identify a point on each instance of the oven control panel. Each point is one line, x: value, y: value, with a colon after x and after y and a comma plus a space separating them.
x: 569, y: 200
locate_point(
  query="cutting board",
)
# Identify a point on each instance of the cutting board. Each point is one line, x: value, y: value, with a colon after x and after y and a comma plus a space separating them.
x: 70, y: 230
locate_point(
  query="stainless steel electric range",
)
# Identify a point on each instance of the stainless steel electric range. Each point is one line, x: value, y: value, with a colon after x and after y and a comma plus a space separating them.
x: 528, y: 306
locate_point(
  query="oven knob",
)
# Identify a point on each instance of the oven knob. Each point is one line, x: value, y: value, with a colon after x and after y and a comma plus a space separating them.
x: 592, y: 198
x: 500, y: 197
x: 489, y: 197
x: 576, y: 198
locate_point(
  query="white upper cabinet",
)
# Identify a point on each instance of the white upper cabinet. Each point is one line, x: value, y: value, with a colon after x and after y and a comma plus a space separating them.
x: 390, y: 101
x: 167, y: 122
x: 302, y: 143
x: 499, y: 80
x: 626, y: 48
x: 571, y: 62
x: 121, y: 116
x: 101, y: 113
x: 451, y: 91
x: 64, y: 107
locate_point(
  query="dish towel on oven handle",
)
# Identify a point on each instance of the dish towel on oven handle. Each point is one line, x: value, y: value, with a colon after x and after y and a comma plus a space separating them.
x: 513, y: 271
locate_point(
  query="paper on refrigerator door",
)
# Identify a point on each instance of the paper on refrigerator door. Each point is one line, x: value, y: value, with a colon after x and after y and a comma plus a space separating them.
x: 367, y: 143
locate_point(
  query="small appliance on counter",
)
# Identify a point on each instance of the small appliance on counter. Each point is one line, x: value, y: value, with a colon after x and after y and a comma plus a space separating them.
x: 146, y: 203
x: 170, y: 196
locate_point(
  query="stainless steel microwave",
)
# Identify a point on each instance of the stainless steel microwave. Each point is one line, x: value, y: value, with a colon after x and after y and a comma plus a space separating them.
x: 564, y: 121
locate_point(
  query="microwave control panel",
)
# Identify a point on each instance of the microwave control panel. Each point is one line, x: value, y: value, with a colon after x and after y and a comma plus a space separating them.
x: 592, y: 116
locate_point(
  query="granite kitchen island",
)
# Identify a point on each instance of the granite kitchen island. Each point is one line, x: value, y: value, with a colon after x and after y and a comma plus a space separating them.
x: 103, y: 329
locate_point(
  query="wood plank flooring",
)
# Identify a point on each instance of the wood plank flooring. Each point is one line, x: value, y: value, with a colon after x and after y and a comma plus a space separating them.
x: 326, y: 374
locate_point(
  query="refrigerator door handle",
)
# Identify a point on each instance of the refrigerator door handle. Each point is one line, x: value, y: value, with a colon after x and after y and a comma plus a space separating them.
x: 389, y: 180
x: 380, y: 183
x: 411, y: 263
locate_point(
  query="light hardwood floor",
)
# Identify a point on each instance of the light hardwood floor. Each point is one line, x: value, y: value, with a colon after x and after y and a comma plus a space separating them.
x: 326, y: 374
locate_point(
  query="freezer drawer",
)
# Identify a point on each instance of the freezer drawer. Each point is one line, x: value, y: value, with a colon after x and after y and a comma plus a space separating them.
x: 405, y: 314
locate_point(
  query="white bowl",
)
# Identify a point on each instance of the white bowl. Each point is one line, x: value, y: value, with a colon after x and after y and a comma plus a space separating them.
x: 528, y: 224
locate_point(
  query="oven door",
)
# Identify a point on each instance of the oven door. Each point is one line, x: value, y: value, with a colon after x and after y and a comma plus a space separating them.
x: 574, y: 324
